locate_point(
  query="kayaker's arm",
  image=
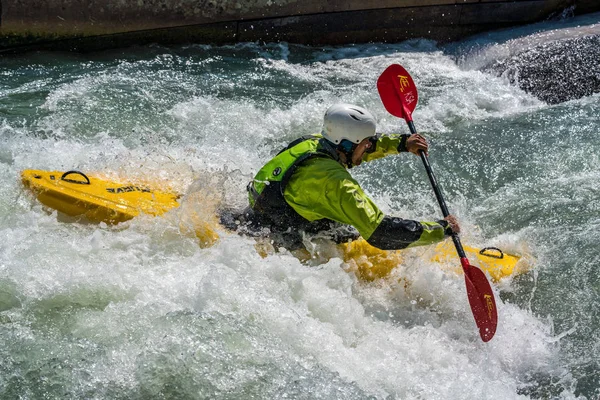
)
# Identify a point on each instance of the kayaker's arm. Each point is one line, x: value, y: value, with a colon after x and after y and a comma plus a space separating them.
x: 396, y: 233
x: 391, y: 144
x: 321, y: 188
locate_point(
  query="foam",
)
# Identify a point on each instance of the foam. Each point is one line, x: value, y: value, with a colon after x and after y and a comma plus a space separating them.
x: 139, y: 305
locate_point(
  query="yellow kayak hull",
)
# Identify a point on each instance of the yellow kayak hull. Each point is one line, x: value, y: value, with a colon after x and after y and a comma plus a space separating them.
x: 371, y: 263
x: 75, y: 194
x: 495, y: 262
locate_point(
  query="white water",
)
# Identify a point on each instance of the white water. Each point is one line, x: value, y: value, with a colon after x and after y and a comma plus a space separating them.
x: 141, y: 311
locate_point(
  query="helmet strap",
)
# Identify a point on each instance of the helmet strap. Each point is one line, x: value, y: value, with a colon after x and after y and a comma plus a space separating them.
x: 347, y: 148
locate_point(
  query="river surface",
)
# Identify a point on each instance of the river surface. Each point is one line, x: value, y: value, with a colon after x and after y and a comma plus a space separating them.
x: 141, y: 311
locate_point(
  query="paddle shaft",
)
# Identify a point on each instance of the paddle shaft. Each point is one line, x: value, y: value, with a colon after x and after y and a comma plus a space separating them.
x: 399, y: 96
x: 438, y: 194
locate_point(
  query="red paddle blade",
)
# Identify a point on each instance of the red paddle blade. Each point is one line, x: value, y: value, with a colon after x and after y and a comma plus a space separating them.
x: 481, y: 299
x: 398, y: 91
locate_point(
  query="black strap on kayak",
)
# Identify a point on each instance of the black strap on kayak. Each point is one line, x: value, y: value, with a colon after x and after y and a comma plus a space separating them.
x: 499, y: 256
x: 64, y: 178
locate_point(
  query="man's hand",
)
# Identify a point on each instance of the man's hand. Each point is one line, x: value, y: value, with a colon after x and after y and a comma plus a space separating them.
x: 453, y: 223
x: 416, y: 143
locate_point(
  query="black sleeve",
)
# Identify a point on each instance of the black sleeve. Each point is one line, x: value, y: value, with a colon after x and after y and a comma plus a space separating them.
x: 402, y: 146
x: 395, y: 233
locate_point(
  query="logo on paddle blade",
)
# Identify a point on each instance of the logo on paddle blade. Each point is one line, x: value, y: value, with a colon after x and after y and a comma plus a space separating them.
x: 489, y: 304
x: 409, y: 97
x: 404, y: 83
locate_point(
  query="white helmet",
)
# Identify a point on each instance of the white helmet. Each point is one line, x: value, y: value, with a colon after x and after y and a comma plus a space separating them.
x: 347, y: 121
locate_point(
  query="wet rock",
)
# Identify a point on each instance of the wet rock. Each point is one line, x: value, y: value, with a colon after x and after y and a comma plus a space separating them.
x: 556, y: 71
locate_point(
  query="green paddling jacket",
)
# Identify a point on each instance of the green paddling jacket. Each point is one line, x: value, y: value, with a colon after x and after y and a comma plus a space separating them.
x: 306, y: 187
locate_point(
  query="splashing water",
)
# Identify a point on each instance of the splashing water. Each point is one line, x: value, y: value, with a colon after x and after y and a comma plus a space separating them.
x: 139, y: 310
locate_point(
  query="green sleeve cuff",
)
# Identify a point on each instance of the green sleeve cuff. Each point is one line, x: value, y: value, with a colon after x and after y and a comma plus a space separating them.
x: 447, y: 229
x: 433, y: 232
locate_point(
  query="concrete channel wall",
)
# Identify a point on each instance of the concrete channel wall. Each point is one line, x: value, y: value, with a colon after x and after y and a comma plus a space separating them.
x: 88, y: 25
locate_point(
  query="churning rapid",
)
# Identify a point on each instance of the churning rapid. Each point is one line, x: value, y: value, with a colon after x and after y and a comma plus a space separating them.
x: 140, y: 311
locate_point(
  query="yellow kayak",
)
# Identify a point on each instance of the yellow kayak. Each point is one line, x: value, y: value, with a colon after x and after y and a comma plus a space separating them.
x: 371, y: 263
x: 76, y: 194
x: 492, y: 260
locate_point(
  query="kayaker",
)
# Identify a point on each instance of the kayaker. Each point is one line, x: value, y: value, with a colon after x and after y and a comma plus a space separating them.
x: 307, y: 189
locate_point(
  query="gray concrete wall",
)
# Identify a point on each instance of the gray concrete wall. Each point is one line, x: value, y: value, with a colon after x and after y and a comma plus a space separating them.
x: 98, y: 24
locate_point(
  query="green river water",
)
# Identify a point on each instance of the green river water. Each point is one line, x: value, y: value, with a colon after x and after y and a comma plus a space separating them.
x: 140, y: 311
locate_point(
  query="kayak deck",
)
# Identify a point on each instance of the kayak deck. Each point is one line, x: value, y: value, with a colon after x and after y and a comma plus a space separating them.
x: 75, y: 194
x: 371, y: 263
